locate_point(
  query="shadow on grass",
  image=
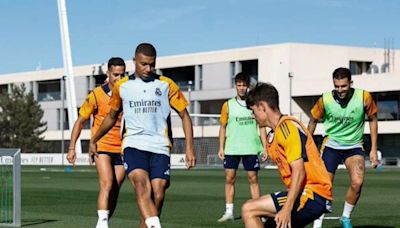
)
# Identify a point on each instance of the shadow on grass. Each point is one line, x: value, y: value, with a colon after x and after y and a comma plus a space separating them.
x: 32, y: 222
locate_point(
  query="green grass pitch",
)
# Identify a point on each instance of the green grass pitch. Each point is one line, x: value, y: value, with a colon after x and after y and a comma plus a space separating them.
x: 54, y: 198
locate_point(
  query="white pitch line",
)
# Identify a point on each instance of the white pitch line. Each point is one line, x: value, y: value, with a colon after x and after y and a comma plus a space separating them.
x: 331, y: 218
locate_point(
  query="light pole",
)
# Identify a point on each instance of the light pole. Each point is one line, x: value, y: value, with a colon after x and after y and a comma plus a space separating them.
x: 62, y: 118
x: 290, y: 74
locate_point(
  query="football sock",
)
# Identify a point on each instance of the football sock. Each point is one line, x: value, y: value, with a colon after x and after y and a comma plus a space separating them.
x: 348, y: 208
x: 153, y: 222
x: 229, y: 209
x: 102, y: 222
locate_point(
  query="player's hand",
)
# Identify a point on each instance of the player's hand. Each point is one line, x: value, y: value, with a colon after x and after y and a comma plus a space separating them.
x: 221, y: 154
x: 190, y: 158
x: 283, y: 218
x: 264, y: 156
x: 71, y: 156
x: 373, y: 157
x: 92, y: 152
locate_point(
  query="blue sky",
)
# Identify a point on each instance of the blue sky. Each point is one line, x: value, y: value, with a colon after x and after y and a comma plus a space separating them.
x: 99, y: 29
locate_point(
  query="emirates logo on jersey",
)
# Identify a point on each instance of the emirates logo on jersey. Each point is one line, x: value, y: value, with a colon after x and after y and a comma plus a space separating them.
x: 158, y: 92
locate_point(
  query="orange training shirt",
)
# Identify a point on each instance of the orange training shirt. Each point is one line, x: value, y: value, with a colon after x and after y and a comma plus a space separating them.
x: 97, y: 104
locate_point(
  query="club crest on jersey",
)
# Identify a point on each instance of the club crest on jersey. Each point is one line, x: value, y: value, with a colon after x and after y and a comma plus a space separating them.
x: 158, y: 92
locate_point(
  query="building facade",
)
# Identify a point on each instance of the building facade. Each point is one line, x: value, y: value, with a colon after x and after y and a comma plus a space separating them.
x: 301, y: 73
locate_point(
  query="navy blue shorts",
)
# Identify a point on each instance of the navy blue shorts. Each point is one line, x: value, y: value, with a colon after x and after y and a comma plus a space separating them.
x: 333, y: 157
x: 303, y: 214
x: 116, y: 158
x: 157, y: 165
x: 250, y: 162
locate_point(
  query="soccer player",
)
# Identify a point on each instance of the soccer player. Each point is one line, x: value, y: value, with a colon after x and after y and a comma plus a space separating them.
x: 291, y: 147
x: 239, y: 140
x: 108, y: 160
x: 146, y: 100
x: 343, y: 111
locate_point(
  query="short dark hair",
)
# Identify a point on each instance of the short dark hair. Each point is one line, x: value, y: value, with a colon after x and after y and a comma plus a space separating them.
x: 263, y: 92
x: 341, y: 73
x: 146, y: 49
x: 115, y: 61
x: 242, y: 77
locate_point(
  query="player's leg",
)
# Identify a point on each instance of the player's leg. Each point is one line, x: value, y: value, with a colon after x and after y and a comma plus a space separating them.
x: 231, y: 163
x: 137, y: 164
x: 252, y: 165
x: 104, y: 169
x: 141, y: 181
x: 118, y: 179
x: 310, y: 209
x: 355, y: 165
x: 254, y: 209
x: 332, y: 159
x: 160, y: 177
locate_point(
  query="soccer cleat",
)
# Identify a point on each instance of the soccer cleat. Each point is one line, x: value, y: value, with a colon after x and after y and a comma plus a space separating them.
x: 346, y: 222
x: 226, y: 217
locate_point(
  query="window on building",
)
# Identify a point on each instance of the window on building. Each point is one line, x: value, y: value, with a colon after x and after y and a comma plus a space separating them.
x: 200, y: 77
x: 86, y: 125
x: 3, y: 89
x: 99, y: 79
x: 89, y: 83
x: 232, y: 73
x: 360, y: 67
x: 388, y: 105
x: 54, y: 146
x: 251, y: 67
x: 211, y: 106
x: 65, y: 122
x: 49, y: 90
x: 181, y: 76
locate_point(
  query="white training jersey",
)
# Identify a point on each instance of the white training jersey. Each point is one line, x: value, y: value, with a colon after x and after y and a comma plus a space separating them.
x: 146, y: 107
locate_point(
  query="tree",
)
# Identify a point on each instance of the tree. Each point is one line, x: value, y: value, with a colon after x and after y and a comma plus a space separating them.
x: 21, y: 124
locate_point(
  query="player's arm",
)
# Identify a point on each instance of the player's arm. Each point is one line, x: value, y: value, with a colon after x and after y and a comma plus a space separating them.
x: 317, y: 113
x: 283, y: 217
x: 373, y: 128
x: 86, y: 110
x: 223, y: 120
x: 76, y: 131
x: 188, y: 131
x: 105, y: 126
x: 221, y: 135
x: 263, y: 137
x: 371, y: 111
x: 288, y: 136
x: 179, y: 104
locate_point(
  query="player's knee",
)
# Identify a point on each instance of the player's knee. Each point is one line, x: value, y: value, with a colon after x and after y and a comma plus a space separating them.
x: 357, y: 185
x: 159, y: 196
x: 230, y: 180
x: 106, y: 185
x: 246, y: 209
x: 252, y: 179
x: 141, y: 187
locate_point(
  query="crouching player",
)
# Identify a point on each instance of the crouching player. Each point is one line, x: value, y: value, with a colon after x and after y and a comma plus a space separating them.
x: 291, y: 147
